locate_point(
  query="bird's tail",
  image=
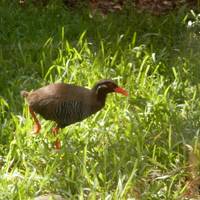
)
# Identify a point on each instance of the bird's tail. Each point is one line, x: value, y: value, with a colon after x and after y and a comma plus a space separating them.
x: 24, y: 93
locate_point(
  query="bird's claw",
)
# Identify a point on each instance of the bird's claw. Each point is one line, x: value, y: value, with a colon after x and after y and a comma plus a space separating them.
x: 55, y: 130
x: 57, y: 144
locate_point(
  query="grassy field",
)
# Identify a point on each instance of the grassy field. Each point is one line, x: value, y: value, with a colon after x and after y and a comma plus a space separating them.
x: 136, y: 147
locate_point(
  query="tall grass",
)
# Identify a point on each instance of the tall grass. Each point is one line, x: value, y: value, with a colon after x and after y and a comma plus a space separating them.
x: 134, y: 147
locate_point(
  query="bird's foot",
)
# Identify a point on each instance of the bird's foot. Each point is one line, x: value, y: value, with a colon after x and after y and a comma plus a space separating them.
x: 55, y: 130
x: 57, y: 144
x: 37, y: 128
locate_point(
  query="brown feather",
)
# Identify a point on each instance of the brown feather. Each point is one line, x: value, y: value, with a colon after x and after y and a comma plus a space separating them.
x: 66, y: 103
x: 44, y: 100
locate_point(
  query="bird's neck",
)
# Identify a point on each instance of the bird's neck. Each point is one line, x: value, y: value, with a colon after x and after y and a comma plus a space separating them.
x: 100, y: 95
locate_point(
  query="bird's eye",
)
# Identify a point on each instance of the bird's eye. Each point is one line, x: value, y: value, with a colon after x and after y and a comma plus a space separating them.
x: 100, y: 87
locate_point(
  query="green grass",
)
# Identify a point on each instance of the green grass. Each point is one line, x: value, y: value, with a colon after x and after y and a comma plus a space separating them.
x: 134, y: 147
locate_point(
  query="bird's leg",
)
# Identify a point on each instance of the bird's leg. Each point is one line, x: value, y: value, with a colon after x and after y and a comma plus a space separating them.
x: 37, y: 125
x: 57, y: 142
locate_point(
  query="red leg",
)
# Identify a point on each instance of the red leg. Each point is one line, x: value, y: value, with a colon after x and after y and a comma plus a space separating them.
x: 37, y: 125
x: 57, y: 142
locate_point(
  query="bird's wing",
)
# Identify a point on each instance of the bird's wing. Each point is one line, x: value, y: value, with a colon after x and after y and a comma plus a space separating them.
x: 62, y: 110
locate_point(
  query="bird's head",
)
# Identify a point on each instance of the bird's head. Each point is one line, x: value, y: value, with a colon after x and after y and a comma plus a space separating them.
x: 103, y: 87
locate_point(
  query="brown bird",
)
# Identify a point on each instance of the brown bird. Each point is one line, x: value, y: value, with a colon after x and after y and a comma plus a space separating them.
x: 67, y: 104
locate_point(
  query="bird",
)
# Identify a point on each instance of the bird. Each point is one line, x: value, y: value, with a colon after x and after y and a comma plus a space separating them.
x: 67, y: 104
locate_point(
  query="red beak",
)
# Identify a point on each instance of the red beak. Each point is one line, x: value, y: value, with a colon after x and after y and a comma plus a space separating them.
x: 121, y: 91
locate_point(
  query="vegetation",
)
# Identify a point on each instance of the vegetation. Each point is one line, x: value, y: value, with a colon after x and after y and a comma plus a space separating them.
x: 136, y: 147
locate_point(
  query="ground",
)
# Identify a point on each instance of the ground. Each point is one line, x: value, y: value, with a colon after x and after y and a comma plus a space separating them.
x: 145, y: 146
